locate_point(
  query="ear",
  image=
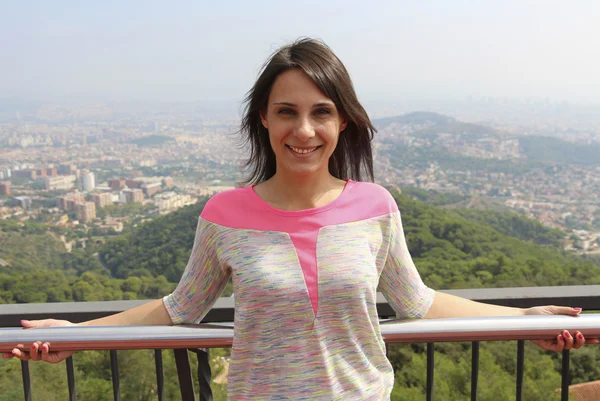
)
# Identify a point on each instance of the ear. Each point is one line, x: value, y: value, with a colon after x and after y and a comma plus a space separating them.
x: 343, y: 126
x: 263, y: 118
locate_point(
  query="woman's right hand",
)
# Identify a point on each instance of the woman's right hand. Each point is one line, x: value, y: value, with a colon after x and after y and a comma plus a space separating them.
x: 40, y: 351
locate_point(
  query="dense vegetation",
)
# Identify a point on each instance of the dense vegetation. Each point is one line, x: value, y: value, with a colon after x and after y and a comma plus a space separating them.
x: 453, y: 248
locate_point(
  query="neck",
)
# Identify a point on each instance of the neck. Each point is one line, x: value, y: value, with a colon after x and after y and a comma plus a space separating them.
x: 302, y: 192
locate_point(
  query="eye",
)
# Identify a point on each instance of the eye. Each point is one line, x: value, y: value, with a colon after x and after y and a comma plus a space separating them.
x: 322, y: 111
x: 285, y: 111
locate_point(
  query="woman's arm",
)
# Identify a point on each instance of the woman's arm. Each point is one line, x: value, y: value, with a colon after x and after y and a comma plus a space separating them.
x: 446, y: 305
x: 148, y: 314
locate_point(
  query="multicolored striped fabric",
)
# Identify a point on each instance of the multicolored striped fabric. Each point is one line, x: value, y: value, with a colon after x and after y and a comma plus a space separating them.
x: 305, y: 285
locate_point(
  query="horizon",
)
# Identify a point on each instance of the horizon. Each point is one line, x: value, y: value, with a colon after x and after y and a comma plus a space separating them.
x: 400, y: 56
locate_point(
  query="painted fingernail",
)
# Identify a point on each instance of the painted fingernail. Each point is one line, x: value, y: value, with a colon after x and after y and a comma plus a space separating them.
x: 560, y: 338
x: 567, y: 335
x: 577, y: 309
x: 580, y: 336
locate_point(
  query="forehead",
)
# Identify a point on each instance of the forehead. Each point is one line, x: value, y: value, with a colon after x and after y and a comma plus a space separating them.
x: 295, y: 86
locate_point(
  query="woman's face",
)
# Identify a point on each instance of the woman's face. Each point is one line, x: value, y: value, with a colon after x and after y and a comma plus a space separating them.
x: 303, y: 123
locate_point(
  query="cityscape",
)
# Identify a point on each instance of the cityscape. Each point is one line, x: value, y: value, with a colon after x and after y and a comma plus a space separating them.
x: 96, y: 173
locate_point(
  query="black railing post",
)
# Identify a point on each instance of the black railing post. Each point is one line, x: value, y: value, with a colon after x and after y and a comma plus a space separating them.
x: 204, y: 374
x: 71, y: 378
x: 114, y: 371
x: 520, y: 368
x: 26, y: 380
x: 566, y: 376
x: 474, y: 369
x: 430, y: 370
x: 186, y: 386
x: 160, y: 378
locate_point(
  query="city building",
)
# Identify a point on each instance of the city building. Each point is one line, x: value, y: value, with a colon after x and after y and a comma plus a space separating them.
x: 5, y: 173
x: 68, y: 201
x: 133, y: 195
x: 60, y: 182
x: 131, y: 183
x: 88, y: 180
x: 170, y: 201
x: 116, y: 184
x: 67, y: 169
x: 168, y: 182
x: 26, y: 173
x: 151, y: 188
x: 5, y: 188
x: 102, y: 199
x: 86, y: 211
x: 24, y: 201
x: 114, y: 226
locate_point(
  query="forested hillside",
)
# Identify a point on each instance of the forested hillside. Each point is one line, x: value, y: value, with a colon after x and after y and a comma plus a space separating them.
x: 453, y: 248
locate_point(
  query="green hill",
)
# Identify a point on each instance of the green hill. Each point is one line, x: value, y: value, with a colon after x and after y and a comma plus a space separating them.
x: 453, y: 248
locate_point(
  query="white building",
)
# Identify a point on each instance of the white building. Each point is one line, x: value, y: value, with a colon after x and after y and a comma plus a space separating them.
x: 88, y: 181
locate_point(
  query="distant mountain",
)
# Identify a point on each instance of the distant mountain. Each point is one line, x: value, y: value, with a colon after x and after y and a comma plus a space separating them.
x: 417, y: 117
x: 458, y: 144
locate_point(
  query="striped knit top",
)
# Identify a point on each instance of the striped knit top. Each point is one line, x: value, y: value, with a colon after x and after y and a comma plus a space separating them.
x: 305, y: 285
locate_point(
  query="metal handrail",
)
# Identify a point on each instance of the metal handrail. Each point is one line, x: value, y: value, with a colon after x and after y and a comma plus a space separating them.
x: 78, y: 338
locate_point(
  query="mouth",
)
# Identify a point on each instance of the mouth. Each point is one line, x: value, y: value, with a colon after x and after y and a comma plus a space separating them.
x: 302, y: 151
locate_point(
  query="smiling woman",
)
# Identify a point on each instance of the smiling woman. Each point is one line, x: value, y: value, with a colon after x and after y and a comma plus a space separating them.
x: 307, y: 246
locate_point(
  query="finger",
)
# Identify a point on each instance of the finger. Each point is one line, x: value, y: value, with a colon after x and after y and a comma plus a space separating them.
x: 45, y: 355
x: 559, y: 346
x: 34, y: 351
x: 593, y: 340
x: 31, y: 324
x: 579, y: 340
x: 568, y: 340
x: 22, y: 355
x: 565, y: 310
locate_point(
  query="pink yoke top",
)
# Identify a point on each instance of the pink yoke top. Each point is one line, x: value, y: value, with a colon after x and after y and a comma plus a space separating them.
x: 305, y: 285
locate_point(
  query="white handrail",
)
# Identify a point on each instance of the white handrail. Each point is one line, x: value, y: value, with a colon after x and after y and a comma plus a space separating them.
x: 221, y: 335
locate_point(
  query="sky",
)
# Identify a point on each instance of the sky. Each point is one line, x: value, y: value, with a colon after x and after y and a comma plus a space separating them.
x: 212, y: 50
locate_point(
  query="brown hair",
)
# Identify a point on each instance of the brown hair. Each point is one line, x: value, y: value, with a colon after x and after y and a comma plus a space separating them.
x: 353, y: 155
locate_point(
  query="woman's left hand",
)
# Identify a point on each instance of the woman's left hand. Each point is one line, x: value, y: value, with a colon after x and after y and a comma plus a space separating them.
x: 565, y: 340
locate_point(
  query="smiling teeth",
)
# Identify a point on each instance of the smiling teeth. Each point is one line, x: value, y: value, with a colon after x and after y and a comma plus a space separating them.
x: 303, y: 151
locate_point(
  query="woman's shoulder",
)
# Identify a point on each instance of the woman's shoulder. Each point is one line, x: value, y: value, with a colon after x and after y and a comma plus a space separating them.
x: 371, y: 198
x: 224, y: 205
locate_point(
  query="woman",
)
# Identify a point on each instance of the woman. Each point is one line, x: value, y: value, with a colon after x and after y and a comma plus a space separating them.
x: 307, y: 245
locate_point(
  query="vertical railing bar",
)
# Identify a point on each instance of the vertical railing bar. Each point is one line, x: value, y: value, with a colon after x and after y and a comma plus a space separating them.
x: 71, y: 379
x: 520, y: 368
x: 160, y: 378
x: 114, y: 370
x: 474, y: 369
x: 204, y: 374
x: 430, y: 370
x: 186, y: 386
x: 26, y: 380
x: 566, y: 376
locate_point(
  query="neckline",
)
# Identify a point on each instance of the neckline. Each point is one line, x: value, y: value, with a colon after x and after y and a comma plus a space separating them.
x: 303, y: 212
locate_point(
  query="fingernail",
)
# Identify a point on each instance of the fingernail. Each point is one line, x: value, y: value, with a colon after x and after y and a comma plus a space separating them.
x: 567, y: 335
x: 577, y: 309
x: 580, y: 336
x: 560, y: 338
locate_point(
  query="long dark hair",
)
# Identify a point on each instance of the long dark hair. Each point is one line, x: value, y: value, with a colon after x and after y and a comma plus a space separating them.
x: 353, y: 155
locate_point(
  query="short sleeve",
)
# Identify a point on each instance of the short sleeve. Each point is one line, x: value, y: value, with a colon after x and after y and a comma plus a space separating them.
x: 203, y: 280
x: 400, y: 282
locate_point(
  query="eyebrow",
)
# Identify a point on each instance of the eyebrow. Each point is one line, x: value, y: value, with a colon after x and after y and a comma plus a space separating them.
x: 322, y: 104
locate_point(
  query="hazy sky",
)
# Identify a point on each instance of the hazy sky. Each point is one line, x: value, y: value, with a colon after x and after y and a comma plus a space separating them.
x: 212, y: 50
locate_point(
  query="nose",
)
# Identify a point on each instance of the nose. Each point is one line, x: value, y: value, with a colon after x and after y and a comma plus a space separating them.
x: 304, y: 130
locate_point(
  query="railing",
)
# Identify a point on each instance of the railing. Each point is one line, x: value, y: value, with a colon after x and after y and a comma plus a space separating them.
x: 199, y: 338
